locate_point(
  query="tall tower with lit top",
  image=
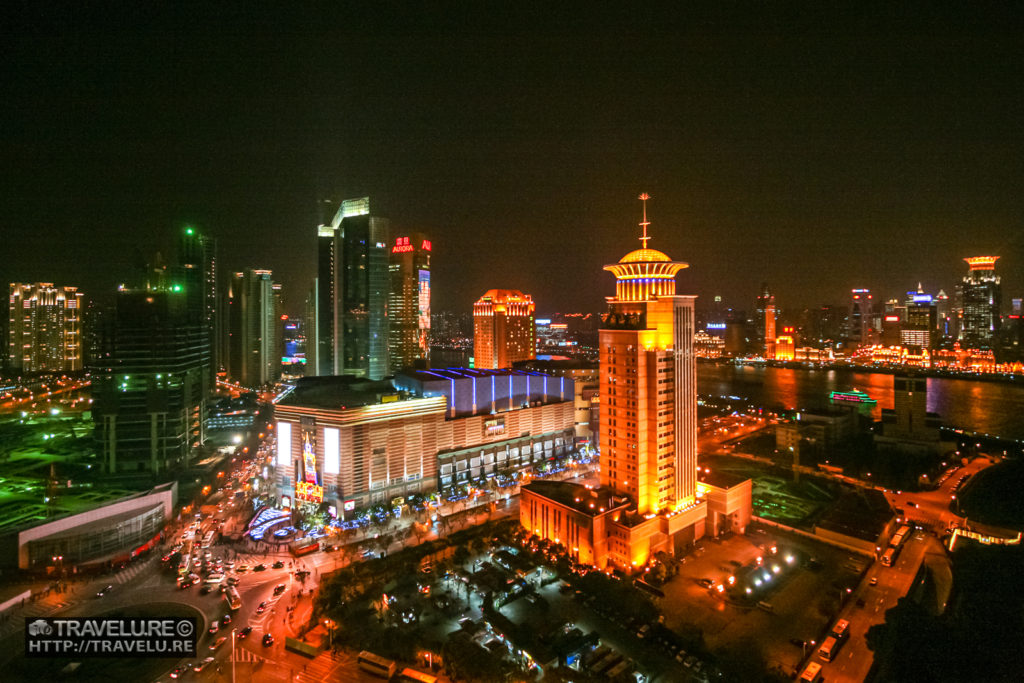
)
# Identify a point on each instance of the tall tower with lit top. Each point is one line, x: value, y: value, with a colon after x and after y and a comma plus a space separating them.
x: 648, y: 382
x: 980, y: 295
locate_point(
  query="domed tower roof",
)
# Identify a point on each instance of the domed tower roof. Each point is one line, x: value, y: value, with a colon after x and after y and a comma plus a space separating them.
x: 644, y: 274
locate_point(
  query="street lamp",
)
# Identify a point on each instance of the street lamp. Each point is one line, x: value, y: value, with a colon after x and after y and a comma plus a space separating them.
x: 330, y: 631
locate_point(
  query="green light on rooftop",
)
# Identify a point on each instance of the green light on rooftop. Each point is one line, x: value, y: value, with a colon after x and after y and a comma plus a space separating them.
x: 189, y: 231
x: 176, y: 288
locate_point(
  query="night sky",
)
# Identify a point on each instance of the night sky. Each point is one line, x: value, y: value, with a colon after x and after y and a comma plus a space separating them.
x: 815, y: 151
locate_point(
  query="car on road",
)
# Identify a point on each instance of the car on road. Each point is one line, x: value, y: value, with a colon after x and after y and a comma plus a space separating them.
x: 259, y: 568
x: 242, y: 568
x: 104, y: 591
x: 873, y: 581
x: 217, y: 643
x: 205, y: 589
x: 707, y: 583
x: 268, y: 640
x: 214, y: 627
x: 262, y: 608
x: 280, y: 588
x: 244, y: 633
x: 278, y: 565
x: 199, y: 666
x: 911, y: 503
x: 179, y: 671
x: 225, y: 620
x: 232, y: 580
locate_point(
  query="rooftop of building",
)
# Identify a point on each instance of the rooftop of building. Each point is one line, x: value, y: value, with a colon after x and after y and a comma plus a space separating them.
x: 339, y: 391
x: 644, y: 256
x: 557, y: 364
x: 436, y: 374
x: 589, y: 501
x: 721, y: 480
x: 505, y: 295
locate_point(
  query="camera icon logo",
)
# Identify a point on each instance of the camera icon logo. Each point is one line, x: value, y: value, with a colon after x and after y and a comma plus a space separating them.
x: 40, y: 627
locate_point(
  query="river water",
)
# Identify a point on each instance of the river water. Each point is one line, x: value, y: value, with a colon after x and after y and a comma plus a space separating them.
x: 989, y: 407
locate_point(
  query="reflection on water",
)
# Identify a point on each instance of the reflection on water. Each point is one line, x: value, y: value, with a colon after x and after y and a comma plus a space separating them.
x: 989, y: 407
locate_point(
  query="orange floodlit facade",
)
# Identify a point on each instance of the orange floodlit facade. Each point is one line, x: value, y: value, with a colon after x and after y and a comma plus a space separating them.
x: 504, y: 330
x: 647, y: 501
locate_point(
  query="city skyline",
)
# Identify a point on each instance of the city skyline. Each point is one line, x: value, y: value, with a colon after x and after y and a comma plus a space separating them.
x: 789, y: 152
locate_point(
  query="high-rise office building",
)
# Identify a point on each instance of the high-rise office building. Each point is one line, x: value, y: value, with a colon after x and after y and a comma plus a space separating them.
x: 44, y: 328
x: 764, y: 299
x: 253, y: 329
x: 151, y: 383
x: 862, y: 309
x: 504, y: 330
x: 197, y: 262
x: 650, y: 499
x: 920, y: 320
x: 980, y: 297
x: 351, y: 293
x: 769, y: 330
x: 409, y: 302
x: 649, y: 384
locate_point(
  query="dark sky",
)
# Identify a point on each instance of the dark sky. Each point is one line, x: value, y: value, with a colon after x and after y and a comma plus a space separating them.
x: 817, y: 150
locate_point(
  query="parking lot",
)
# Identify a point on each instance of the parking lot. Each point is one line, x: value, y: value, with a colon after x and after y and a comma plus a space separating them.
x: 745, y: 638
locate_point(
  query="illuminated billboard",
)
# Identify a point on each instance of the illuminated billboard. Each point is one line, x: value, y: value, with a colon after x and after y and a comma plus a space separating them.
x: 423, y: 311
x: 311, y: 493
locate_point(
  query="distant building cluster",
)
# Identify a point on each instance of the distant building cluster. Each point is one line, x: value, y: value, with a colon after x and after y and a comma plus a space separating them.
x: 969, y: 331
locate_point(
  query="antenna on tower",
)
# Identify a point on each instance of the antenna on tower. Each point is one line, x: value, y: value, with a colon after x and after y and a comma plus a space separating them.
x: 643, y: 240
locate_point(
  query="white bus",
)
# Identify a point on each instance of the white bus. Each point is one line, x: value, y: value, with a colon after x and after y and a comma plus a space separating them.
x: 414, y: 676
x: 208, y: 539
x: 376, y: 665
x: 811, y: 674
x: 828, y: 649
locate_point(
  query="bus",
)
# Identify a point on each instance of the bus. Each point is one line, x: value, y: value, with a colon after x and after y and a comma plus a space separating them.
x: 900, y: 537
x: 233, y: 599
x: 300, y: 548
x: 376, y: 665
x: 889, y: 556
x: 841, y: 629
x: 811, y: 674
x: 414, y: 676
x: 208, y: 539
x: 828, y: 649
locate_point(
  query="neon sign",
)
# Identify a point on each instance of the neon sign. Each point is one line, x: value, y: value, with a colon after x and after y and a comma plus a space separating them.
x: 309, y: 492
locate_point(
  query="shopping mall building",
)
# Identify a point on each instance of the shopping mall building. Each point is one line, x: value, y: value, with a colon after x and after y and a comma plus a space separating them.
x: 353, y: 442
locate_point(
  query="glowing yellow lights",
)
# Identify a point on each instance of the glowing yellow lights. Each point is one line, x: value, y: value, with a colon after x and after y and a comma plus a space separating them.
x: 982, y: 262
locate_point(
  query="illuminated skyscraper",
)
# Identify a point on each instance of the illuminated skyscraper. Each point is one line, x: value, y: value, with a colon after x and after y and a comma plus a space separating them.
x: 504, y: 330
x: 980, y: 296
x: 769, y: 330
x: 352, y: 290
x: 409, y: 302
x: 649, y: 384
x: 44, y: 328
x: 650, y: 499
x: 197, y: 261
x: 919, y: 325
x: 255, y: 357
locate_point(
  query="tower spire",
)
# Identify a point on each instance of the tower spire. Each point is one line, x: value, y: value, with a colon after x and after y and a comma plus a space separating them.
x: 643, y: 239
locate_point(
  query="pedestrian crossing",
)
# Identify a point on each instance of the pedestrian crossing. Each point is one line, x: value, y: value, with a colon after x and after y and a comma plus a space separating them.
x: 134, y: 569
x: 243, y: 655
x: 42, y: 608
x: 322, y: 668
